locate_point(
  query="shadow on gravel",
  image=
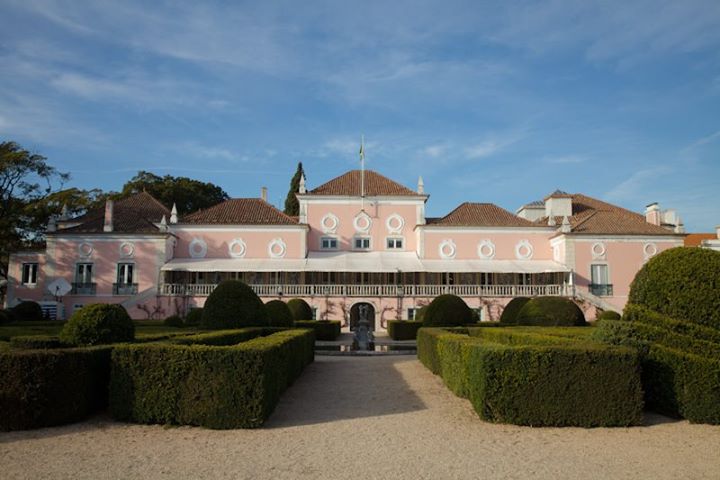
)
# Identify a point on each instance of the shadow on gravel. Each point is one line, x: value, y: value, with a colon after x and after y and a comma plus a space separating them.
x: 342, y: 388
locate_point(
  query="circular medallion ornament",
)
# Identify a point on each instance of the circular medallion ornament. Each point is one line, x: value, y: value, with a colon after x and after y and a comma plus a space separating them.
x: 362, y: 222
x: 395, y: 223
x: 329, y: 223
x: 197, y: 248
x: 649, y: 250
x: 85, y: 249
x: 277, y: 248
x: 486, y: 249
x: 598, y: 251
x: 237, y: 248
x: 127, y: 249
x: 523, y: 250
x: 447, y: 249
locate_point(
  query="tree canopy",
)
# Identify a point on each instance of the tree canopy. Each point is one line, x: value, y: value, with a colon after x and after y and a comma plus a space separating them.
x: 292, y: 207
x: 189, y: 195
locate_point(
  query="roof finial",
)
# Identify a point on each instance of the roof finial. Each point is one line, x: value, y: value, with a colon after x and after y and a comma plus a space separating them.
x: 551, y: 221
x: 421, y: 185
x: 64, y: 212
x: 173, y: 214
x: 565, y: 227
x: 362, y: 173
x: 302, y: 188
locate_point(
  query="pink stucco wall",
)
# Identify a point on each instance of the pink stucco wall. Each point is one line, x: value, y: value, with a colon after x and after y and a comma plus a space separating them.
x: 466, y: 242
x: 378, y: 213
x: 17, y: 291
x: 256, y: 242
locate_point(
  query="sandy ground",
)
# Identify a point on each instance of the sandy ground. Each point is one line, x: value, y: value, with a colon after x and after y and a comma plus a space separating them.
x: 381, y: 417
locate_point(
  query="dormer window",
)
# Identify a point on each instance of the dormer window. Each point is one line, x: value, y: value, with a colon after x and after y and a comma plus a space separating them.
x: 361, y: 243
x: 328, y: 243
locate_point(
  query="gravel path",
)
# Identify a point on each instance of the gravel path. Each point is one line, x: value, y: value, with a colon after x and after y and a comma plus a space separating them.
x: 364, y: 417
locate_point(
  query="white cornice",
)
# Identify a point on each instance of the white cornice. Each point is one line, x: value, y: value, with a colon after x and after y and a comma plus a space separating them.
x: 356, y: 199
x: 467, y: 229
x: 178, y: 227
x: 105, y: 237
x: 627, y: 238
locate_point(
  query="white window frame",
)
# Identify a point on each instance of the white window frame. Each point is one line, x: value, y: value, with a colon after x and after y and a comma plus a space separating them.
x: 395, y: 239
x: 85, y: 280
x: 29, y: 280
x: 607, y: 273
x: 362, y: 237
x: 125, y: 274
x: 328, y: 238
x: 411, y: 312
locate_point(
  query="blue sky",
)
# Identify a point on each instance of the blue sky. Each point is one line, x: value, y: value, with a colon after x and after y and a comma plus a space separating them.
x: 500, y: 102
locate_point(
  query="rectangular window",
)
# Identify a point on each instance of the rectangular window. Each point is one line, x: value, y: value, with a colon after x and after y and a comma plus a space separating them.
x: 315, y: 313
x: 599, y: 274
x: 83, y: 273
x: 411, y: 313
x: 362, y: 243
x: 394, y: 243
x: 328, y: 243
x: 29, y: 273
x: 125, y: 273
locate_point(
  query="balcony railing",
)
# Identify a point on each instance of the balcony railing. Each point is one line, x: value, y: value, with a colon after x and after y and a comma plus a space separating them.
x: 203, y: 290
x: 601, y: 290
x: 125, y: 288
x: 83, y: 289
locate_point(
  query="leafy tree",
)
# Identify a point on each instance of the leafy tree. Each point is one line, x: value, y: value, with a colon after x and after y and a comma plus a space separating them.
x: 189, y: 195
x: 292, y: 207
x: 25, y: 179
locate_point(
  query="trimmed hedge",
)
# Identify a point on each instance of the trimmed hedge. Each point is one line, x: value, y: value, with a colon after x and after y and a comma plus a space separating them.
x: 609, y: 315
x: 637, y: 313
x: 99, y: 323
x: 551, y: 311
x: 325, y: 330
x: 43, y: 388
x: 28, y: 311
x: 194, y: 317
x: 216, y: 387
x: 403, y: 329
x: 233, y: 304
x: 447, y: 311
x: 300, y: 309
x: 6, y: 316
x: 511, y: 310
x: 550, y: 382
x: 34, y: 342
x: 682, y: 283
x: 173, y: 321
x: 279, y: 314
x: 221, y: 338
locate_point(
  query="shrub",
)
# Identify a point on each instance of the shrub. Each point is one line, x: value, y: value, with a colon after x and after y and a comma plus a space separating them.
x: 636, y: 313
x: 511, y: 310
x: 194, y: 316
x: 300, y: 309
x: 216, y: 387
x: 447, y: 311
x: 97, y: 324
x: 537, y: 382
x: 403, y: 329
x: 43, y: 388
x: 551, y: 311
x: 608, y: 315
x: 233, y: 304
x: 173, y: 321
x: 325, y: 330
x: 28, y: 311
x: 683, y: 283
x: 279, y: 314
x: 221, y: 338
x: 34, y: 342
x: 6, y: 316
x: 420, y: 313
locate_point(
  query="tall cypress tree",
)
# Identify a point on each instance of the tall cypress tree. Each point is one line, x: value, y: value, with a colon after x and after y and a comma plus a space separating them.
x: 292, y: 207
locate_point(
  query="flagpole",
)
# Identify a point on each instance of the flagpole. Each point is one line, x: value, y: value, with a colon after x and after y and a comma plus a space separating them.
x: 362, y: 173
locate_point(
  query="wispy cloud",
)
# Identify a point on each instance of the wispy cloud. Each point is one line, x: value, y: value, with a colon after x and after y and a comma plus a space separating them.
x: 565, y: 159
x: 635, y: 186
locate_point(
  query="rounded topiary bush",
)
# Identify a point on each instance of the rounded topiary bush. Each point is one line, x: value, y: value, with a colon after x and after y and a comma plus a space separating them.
x: 447, y: 311
x: 28, y: 311
x: 6, y: 316
x: 300, y: 309
x: 551, y: 312
x: 511, y: 310
x: 194, y: 316
x: 98, y: 323
x: 279, y: 314
x: 608, y: 315
x: 683, y: 283
x: 173, y: 321
x: 233, y: 304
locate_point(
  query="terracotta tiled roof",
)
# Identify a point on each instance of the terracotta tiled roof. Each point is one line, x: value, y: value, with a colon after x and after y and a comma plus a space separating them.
x: 135, y: 214
x: 593, y: 216
x: 240, y: 211
x: 375, y: 185
x: 696, y: 239
x: 481, y: 215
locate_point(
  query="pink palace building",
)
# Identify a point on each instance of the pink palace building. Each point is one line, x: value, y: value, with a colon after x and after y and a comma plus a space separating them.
x: 345, y: 249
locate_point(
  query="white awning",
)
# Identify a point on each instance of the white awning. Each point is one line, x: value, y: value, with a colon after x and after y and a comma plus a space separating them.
x: 360, y: 262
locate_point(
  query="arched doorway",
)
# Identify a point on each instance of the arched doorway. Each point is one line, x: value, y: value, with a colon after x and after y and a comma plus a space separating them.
x: 365, y: 309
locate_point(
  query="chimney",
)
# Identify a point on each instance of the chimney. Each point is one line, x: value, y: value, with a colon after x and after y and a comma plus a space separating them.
x: 263, y: 194
x: 52, y: 224
x: 173, y: 214
x: 565, y: 227
x: 558, y: 204
x: 652, y: 214
x: 421, y: 186
x: 108, y: 222
x: 717, y: 231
